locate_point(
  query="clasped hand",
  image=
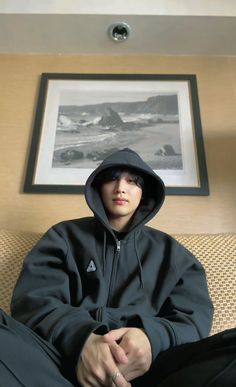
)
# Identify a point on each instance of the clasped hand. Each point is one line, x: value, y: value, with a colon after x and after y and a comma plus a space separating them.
x: 115, y: 358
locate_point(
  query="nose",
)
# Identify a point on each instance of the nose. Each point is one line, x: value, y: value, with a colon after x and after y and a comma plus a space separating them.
x: 120, y: 186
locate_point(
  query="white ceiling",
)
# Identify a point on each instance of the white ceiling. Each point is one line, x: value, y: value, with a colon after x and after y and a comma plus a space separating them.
x: 170, y: 27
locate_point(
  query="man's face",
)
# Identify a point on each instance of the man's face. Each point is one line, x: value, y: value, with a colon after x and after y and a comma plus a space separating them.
x: 121, y: 198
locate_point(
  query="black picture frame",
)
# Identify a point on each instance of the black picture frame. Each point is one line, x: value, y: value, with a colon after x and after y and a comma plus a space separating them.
x: 81, y: 118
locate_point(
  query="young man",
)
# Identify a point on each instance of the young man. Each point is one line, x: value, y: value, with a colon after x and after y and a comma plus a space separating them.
x: 108, y: 300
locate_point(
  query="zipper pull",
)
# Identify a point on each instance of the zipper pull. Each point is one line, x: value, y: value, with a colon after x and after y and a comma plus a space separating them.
x: 117, y: 246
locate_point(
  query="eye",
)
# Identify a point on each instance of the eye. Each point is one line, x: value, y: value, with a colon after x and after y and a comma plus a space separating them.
x: 130, y: 180
x: 113, y: 178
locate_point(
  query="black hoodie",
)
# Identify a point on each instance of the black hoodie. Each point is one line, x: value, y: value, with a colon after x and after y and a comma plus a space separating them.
x: 80, y: 279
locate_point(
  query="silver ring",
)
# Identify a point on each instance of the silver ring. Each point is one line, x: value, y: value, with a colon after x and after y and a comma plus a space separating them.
x: 115, y: 376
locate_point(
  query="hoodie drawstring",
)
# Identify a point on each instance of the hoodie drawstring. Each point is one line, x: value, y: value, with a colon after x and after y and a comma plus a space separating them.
x: 139, y: 262
x: 104, y: 252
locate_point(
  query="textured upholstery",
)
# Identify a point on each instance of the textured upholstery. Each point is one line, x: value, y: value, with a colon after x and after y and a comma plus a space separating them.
x: 14, y: 245
x: 217, y: 252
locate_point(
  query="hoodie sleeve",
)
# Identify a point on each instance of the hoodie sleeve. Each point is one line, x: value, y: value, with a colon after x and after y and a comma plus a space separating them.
x: 186, y: 315
x: 42, y: 298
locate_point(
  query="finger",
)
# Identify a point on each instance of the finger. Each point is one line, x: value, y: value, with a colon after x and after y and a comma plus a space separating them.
x: 114, y: 335
x: 87, y: 379
x: 127, y: 384
x: 118, y: 380
x: 118, y: 353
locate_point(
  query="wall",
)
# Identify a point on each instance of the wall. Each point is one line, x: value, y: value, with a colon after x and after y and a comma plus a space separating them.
x: 19, y: 82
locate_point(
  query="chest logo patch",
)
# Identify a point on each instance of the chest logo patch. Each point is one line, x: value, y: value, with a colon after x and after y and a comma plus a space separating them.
x: 91, y: 267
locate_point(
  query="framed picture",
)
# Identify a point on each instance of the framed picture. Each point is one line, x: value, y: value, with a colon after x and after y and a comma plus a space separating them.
x: 82, y: 118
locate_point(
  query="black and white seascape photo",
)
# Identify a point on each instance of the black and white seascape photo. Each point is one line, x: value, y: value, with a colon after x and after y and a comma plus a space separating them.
x: 83, y: 118
x: 87, y: 133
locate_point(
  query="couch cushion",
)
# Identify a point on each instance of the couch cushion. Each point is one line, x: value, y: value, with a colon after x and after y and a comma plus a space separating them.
x: 217, y: 253
x: 14, y: 246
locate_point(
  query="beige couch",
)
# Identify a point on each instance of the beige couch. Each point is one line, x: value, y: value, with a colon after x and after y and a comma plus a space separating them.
x: 217, y: 252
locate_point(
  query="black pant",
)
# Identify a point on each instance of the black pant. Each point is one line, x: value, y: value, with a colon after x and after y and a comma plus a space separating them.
x: 26, y: 360
x: 210, y: 362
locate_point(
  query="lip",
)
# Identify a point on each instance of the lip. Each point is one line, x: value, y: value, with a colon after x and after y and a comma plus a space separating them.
x: 120, y: 201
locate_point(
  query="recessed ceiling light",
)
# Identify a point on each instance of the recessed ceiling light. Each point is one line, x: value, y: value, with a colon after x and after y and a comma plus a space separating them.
x: 119, y: 32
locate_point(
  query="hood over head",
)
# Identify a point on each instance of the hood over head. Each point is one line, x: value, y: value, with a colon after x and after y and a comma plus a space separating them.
x: 154, y: 187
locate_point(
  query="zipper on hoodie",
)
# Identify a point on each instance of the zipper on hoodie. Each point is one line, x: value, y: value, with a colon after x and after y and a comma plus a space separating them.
x: 113, y: 272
